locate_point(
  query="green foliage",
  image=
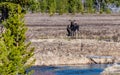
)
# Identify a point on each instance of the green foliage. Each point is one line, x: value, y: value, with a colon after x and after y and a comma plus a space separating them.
x: 116, y: 2
x: 23, y: 3
x: 72, y: 6
x: 108, y: 11
x: 52, y: 6
x: 34, y: 6
x: 62, y: 6
x: 10, y: 6
x: 89, y: 6
x: 80, y: 7
x: 43, y: 5
x: 28, y: 5
x: 14, y: 52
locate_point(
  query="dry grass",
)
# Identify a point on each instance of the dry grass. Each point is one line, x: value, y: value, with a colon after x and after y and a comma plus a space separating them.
x: 101, y: 27
x: 98, y: 35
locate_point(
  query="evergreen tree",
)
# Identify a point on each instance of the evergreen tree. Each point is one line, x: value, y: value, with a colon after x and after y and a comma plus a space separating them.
x: 103, y: 6
x: 51, y: 6
x: 34, y: 6
x: 72, y: 6
x: 14, y: 52
x: 116, y: 2
x: 80, y: 7
x: 62, y: 6
x: 43, y: 4
x: 27, y: 5
x: 89, y: 6
x: 23, y: 3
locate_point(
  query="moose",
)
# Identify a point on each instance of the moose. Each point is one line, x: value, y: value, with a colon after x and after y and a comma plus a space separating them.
x: 72, y: 29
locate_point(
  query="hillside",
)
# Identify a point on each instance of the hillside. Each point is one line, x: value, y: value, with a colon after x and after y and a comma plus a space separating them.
x: 98, y: 36
x: 96, y: 42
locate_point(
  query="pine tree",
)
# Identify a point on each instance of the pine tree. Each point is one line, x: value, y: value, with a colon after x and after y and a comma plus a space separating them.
x: 72, y: 6
x: 34, y: 6
x: 61, y: 6
x: 14, y: 52
x: 89, y: 6
x: 43, y: 4
x: 104, y: 7
x: 80, y: 7
x: 52, y: 6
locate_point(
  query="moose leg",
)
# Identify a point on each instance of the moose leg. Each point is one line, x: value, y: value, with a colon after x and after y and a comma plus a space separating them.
x: 68, y: 32
x: 77, y: 34
x: 74, y: 33
x: 71, y: 33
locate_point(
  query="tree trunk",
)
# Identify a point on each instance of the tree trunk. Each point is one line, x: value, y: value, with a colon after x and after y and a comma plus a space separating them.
x: 4, y: 12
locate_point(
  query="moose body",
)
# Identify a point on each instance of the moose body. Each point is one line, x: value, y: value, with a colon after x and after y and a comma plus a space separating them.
x: 72, y: 29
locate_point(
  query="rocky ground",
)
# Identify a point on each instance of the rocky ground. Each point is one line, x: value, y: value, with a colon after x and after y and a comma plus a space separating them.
x: 101, y: 27
x: 75, y: 51
x: 112, y: 70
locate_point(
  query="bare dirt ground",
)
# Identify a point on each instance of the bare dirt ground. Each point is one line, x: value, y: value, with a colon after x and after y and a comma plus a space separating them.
x: 99, y: 35
x: 105, y: 27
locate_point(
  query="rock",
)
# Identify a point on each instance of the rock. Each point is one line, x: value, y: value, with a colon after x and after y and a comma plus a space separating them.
x: 64, y: 60
x: 112, y: 70
x: 101, y: 59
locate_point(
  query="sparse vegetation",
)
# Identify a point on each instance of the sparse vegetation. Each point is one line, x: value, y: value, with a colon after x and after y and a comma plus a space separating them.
x: 13, y: 49
x: 97, y: 28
